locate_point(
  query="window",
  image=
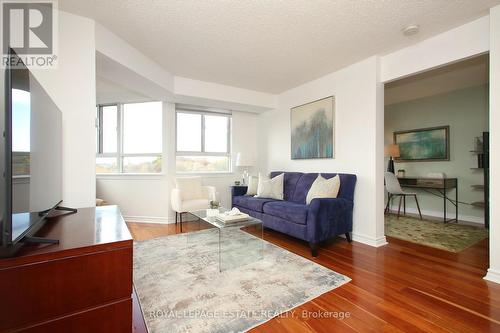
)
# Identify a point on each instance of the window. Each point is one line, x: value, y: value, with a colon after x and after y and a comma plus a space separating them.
x: 203, y: 142
x: 21, y: 117
x: 129, y: 138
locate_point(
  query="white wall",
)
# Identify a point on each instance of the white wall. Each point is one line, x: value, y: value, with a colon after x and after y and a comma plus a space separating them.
x: 494, y: 270
x: 72, y: 88
x: 462, y: 42
x: 357, y: 108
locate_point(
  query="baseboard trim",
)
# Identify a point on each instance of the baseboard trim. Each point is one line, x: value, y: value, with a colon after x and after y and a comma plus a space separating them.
x: 449, y: 215
x: 371, y: 241
x: 148, y: 219
x: 493, y: 275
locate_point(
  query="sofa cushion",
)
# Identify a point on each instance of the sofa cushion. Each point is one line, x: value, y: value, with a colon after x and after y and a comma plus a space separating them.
x: 250, y: 202
x: 302, y: 187
x: 289, y: 211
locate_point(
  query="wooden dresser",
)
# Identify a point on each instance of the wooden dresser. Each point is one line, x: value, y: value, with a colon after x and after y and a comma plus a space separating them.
x: 82, y: 284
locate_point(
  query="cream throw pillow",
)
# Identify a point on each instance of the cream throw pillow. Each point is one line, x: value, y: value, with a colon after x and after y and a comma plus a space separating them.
x: 253, y: 184
x: 323, y: 188
x: 270, y: 188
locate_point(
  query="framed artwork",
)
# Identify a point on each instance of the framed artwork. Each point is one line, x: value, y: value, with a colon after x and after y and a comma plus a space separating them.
x: 423, y: 145
x: 312, y: 129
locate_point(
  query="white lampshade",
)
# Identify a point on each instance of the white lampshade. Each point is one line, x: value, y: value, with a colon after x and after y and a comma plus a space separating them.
x: 244, y: 160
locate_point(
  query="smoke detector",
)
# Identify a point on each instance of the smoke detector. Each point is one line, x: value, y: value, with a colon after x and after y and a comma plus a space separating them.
x: 411, y: 30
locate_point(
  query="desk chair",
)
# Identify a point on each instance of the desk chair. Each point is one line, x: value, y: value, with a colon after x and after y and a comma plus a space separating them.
x: 394, y: 189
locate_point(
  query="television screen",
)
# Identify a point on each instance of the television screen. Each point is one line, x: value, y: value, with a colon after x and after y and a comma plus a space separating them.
x: 33, y: 155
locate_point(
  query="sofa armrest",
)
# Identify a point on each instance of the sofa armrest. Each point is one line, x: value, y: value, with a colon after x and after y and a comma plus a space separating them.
x: 208, y: 192
x: 237, y: 191
x: 328, y: 217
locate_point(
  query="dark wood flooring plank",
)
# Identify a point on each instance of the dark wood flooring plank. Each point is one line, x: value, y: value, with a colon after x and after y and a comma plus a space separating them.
x: 401, y: 287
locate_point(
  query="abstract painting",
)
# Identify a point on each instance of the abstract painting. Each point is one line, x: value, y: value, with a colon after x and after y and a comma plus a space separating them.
x: 425, y: 144
x: 312, y: 126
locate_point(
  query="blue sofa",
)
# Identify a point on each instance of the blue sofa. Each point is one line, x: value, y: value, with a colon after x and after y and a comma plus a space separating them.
x: 322, y: 219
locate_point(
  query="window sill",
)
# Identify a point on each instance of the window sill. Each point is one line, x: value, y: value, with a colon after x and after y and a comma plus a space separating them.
x: 206, y: 174
x: 117, y: 176
x: 24, y: 179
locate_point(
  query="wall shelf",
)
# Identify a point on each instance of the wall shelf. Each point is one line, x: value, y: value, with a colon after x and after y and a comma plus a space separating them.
x: 481, y: 150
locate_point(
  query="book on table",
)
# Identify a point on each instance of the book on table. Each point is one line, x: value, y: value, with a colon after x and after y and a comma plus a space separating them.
x: 232, y: 216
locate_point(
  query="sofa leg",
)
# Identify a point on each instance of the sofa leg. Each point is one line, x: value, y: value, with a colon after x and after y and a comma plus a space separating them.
x: 314, y: 249
x: 348, y: 237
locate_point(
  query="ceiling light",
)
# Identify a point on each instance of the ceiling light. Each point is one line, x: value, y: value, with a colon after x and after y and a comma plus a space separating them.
x: 411, y: 30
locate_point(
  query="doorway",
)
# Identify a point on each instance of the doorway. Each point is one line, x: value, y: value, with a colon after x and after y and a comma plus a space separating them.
x: 436, y: 134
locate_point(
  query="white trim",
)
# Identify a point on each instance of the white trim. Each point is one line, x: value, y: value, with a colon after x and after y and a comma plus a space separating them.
x: 375, y: 242
x: 148, y: 219
x: 492, y: 275
x: 21, y: 179
x: 221, y: 174
x: 439, y: 214
x: 120, y: 176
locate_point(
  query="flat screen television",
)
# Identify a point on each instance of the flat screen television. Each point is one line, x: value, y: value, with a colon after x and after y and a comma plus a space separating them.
x: 32, y: 183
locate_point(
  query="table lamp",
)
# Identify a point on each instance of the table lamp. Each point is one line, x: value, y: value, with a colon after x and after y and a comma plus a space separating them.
x: 392, y: 151
x: 244, y: 161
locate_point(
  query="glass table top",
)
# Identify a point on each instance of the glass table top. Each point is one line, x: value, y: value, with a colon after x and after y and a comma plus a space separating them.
x: 209, y: 215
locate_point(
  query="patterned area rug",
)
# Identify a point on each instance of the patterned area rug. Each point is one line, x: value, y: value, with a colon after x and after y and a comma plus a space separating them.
x: 450, y: 236
x: 181, y: 289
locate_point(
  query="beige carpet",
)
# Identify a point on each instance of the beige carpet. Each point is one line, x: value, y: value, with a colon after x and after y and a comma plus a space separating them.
x: 181, y: 289
x: 450, y: 236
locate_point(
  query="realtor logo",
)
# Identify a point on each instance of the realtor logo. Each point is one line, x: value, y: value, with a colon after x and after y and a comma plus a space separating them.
x: 28, y: 28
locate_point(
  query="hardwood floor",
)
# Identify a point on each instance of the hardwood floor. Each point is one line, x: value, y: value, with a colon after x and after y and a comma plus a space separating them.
x: 400, y: 287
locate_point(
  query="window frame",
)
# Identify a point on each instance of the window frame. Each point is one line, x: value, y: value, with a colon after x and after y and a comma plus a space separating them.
x: 202, y: 151
x: 120, y: 155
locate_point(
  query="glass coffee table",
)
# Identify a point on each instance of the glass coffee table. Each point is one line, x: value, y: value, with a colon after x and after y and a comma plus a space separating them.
x: 237, y: 243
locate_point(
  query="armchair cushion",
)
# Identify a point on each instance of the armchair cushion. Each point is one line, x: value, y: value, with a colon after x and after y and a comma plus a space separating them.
x: 189, y: 187
x: 181, y: 205
x: 290, y: 211
x: 194, y: 205
x: 208, y: 192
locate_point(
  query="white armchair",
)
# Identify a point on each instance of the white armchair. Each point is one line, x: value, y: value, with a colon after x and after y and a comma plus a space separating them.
x: 189, y: 195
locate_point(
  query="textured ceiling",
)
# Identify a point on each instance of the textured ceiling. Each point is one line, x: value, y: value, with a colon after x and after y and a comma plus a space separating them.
x: 271, y: 45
